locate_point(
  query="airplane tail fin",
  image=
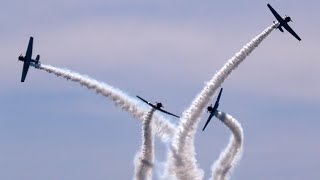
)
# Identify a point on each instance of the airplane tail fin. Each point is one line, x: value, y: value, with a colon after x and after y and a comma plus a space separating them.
x: 280, y: 28
x: 37, y: 59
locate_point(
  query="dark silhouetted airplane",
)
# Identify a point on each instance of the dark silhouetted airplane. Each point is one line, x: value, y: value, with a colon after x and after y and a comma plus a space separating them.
x: 27, y: 60
x: 283, y: 22
x: 157, y: 106
x: 213, y: 110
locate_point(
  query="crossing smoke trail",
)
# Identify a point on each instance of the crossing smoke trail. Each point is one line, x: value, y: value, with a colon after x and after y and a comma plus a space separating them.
x: 182, y: 163
x: 229, y: 157
x: 164, y: 129
x: 144, y: 158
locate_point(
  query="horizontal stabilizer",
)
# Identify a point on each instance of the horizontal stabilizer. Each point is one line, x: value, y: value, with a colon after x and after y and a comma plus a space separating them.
x: 280, y: 28
x: 37, y: 59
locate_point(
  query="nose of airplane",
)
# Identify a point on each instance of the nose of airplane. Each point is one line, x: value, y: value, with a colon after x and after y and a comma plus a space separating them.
x: 20, y: 58
x: 288, y: 19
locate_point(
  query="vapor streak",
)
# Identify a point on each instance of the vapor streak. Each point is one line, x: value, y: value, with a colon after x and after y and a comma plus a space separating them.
x: 229, y: 157
x: 182, y: 163
x: 164, y: 129
x: 145, y: 157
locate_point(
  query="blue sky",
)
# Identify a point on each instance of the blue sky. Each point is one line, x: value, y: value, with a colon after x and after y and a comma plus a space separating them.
x: 163, y: 50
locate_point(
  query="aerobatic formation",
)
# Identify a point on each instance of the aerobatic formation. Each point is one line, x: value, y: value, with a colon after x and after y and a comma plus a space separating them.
x: 181, y: 162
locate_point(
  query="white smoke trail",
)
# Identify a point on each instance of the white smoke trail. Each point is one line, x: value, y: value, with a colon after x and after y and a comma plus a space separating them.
x: 144, y: 158
x: 164, y: 129
x: 182, y: 163
x: 229, y: 157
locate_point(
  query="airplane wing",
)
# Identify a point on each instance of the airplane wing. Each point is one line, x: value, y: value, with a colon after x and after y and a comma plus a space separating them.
x: 278, y: 17
x: 215, y: 107
x: 25, y: 70
x: 29, y: 49
x: 144, y: 100
x: 27, y: 60
x: 152, y: 105
x: 290, y: 30
x: 147, y: 102
x: 218, y: 99
x: 209, y: 119
x: 167, y: 112
x: 283, y: 23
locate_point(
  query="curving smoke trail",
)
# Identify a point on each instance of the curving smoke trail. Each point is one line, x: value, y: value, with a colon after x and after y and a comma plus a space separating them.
x: 229, y: 157
x: 144, y: 158
x: 182, y: 163
x: 164, y: 129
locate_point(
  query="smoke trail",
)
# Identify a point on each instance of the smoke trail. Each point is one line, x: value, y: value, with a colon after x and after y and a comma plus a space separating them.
x: 229, y: 157
x: 164, y: 129
x: 144, y: 158
x: 181, y: 161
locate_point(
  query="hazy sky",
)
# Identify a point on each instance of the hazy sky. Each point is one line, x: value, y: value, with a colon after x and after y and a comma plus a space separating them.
x: 164, y: 51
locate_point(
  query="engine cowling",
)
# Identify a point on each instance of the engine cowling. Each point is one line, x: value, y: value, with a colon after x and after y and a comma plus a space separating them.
x: 21, y: 58
x: 287, y: 19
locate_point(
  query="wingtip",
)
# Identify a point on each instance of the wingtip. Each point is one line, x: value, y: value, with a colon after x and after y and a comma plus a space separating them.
x: 205, y: 126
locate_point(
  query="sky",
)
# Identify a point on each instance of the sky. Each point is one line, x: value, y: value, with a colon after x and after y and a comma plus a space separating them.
x: 164, y: 51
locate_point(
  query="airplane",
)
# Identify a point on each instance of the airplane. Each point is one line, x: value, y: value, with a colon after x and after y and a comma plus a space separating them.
x: 213, y: 109
x: 157, y: 106
x: 27, y: 60
x: 283, y: 22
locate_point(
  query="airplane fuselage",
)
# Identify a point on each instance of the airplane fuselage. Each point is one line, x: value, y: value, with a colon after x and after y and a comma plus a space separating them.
x: 283, y: 22
x: 213, y: 110
x: 157, y: 106
x: 210, y: 108
x: 27, y: 60
x: 30, y: 61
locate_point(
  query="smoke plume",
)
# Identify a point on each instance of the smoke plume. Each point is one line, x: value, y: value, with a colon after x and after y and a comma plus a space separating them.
x: 229, y: 157
x: 144, y: 158
x: 182, y: 163
x: 164, y: 129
